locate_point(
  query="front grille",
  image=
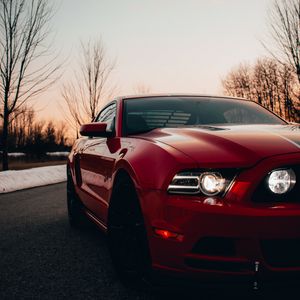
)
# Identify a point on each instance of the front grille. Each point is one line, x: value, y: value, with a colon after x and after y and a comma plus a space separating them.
x: 218, y: 265
x: 215, y: 246
x: 284, y: 253
x: 216, y: 253
x: 264, y: 194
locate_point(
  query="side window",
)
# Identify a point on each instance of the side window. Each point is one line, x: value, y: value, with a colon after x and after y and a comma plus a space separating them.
x: 108, y: 115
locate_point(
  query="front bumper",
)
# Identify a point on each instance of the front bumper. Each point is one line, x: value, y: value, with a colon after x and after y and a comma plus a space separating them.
x: 251, y: 233
x: 231, y: 240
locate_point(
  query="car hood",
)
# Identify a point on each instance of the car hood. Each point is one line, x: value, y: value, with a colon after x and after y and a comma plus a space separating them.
x: 229, y: 146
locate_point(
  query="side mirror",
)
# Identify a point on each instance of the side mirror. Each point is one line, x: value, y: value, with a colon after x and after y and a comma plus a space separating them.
x: 95, y: 129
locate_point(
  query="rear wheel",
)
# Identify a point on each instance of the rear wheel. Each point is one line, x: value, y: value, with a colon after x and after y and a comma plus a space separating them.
x: 75, y: 208
x: 127, y: 236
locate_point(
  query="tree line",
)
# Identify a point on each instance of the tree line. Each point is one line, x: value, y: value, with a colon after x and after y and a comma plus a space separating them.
x: 269, y: 83
x: 34, y: 137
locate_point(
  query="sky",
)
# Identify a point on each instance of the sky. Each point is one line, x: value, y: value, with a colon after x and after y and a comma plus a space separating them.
x: 170, y: 46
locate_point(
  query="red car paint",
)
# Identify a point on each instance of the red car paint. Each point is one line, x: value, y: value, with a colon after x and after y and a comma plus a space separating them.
x: 175, y: 223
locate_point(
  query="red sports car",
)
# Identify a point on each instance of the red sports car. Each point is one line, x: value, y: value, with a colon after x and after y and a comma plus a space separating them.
x: 197, y: 187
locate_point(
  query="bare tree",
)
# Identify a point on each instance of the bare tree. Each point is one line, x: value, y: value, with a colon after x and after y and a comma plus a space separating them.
x: 20, y: 125
x: 266, y: 83
x: 90, y: 87
x: 61, y: 133
x: 285, y: 32
x: 26, y: 67
x: 269, y: 83
x: 289, y: 94
x: 238, y: 82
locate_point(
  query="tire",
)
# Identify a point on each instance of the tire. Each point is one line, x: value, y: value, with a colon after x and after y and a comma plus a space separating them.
x: 127, y: 238
x: 76, y: 215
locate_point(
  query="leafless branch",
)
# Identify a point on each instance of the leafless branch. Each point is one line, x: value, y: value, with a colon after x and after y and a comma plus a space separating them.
x: 284, y: 21
x: 90, y: 86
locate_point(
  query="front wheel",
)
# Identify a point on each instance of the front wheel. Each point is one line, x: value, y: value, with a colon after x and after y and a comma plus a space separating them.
x: 127, y: 236
x: 75, y: 208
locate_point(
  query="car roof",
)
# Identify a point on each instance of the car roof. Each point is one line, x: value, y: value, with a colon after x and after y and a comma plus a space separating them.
x: 144, y: 96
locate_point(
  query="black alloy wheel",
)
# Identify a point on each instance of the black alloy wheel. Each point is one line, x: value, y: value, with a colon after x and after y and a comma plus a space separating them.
x: 127, y: 236
x: 76, y: 215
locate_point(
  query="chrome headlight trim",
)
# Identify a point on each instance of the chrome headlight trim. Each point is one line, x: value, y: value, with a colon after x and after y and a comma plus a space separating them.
x: 183, y: 188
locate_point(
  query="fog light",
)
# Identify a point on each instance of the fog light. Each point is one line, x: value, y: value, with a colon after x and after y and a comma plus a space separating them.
x: 213, y: 202
x: 211, y: 183
x: 166, y: 234
x: 281, y: 181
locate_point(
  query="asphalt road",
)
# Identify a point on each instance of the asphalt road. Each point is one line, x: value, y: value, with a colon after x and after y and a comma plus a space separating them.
x: 41, y: 257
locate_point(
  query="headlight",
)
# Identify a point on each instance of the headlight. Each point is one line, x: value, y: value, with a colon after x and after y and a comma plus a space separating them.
x: 281, y: 181
x: 211, y: 183
x: 208, y: 183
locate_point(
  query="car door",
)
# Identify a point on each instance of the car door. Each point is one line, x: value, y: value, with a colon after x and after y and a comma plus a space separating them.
x: 96, y: 166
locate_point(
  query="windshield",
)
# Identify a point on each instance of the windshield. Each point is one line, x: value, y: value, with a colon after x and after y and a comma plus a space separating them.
x: 145, y: 114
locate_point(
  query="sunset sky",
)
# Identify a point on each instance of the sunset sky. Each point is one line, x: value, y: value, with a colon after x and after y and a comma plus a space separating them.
x: 167, y: 45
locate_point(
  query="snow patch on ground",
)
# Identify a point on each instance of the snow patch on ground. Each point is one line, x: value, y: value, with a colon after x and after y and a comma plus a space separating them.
x: 61, y: 153
x: 16, y: 154
x: 57, y: 153
x: 17, y: 180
